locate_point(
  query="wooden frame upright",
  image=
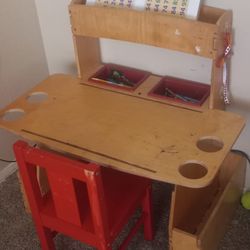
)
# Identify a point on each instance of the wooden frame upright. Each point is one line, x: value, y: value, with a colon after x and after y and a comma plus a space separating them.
x: 207, y: 39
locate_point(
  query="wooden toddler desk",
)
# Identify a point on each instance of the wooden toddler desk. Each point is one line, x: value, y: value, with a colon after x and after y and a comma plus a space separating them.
x: 128, y: 133
x: 136, y: 133
x: 146, y: 138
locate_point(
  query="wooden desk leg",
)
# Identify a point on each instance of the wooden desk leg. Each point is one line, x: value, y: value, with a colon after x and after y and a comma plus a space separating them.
x: 199, y: 216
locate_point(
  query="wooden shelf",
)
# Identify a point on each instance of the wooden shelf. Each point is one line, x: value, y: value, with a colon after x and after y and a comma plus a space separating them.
x: 151, y: 28
x: 142, y: 91
x: 203, y: 37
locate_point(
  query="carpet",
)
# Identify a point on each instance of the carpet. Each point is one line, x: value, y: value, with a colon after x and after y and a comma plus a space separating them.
x: 17, y: 229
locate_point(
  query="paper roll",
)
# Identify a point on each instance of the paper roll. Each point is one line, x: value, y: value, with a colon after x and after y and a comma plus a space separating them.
x: 185, y: 8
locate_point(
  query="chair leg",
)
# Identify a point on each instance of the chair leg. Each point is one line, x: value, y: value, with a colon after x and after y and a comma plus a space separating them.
x: 46, y: 238
x: 147, y: 210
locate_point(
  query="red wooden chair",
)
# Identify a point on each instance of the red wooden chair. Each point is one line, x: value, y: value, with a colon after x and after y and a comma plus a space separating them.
x: 86, y: 202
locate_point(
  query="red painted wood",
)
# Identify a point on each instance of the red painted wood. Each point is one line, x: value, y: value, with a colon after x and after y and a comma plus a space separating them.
x: 64, y: 197
x: 86, y: 202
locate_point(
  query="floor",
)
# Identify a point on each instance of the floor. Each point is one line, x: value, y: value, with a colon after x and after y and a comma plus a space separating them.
x: 6, y: 169
x: 2, y: 165
x: 17, y: 230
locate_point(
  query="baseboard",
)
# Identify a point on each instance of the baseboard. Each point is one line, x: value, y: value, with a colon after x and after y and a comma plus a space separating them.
x: 7, y: 171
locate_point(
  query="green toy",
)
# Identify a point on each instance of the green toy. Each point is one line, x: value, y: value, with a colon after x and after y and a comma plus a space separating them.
x: 245, y: 200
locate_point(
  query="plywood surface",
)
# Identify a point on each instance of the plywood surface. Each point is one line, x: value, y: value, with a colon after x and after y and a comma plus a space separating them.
x: 199, y: 217
x: 146, y: 27
x: 142, y: 91
x: 125, y: 132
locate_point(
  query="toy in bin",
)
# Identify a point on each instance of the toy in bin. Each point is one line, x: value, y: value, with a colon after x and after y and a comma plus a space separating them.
x: 119, y: 76
x: 181, y: 91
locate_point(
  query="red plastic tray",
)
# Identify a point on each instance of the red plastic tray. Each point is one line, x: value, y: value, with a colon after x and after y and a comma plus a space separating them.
x: 186, y: 92
x: 134, y: 75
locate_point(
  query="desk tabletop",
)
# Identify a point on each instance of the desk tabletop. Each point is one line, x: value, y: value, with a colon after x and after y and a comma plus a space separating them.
x: 125, y: 132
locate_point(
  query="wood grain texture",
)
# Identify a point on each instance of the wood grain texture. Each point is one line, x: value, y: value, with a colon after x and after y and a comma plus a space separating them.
x: 207, y: 39
x: 87, y: 53
x: 199, y: 217
x: 183, y: 241
x: 146, y: 27
x: 128, y: 133
x: 142, y: 91
x: 232, y: 179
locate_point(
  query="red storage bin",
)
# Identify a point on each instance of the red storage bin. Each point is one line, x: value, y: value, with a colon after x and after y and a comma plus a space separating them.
x: 181, y: 91
x: 134, y: 76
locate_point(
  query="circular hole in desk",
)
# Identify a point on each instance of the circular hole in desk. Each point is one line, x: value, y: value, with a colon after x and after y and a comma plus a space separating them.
x: 37, y: 97
x: 193, y: 170
x: 210, y: 144
x: 13, y: 114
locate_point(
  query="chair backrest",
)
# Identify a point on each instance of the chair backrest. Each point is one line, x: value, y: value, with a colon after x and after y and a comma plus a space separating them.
x: 75, y: 186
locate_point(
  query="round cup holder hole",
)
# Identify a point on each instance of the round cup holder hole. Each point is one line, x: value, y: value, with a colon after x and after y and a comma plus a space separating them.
x: 210, y: 144
x: 193, y: 170
x: 37, y: 97
x: 13, y: 114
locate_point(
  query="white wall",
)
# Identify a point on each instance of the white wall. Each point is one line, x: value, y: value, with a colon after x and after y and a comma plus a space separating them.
x: 22, y: 58
x: 56, y: 32
x: 55, y: 27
